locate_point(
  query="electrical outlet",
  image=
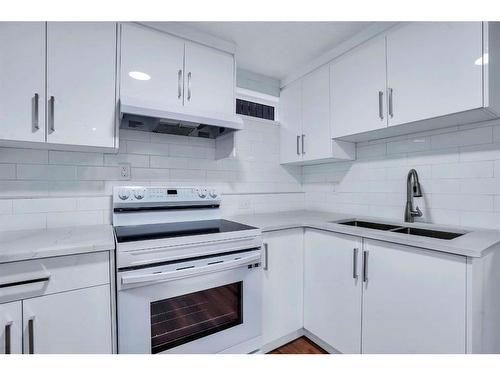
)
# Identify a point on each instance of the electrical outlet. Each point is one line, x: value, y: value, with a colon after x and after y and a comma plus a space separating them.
x: 124, y: 170
x: 244, y: 204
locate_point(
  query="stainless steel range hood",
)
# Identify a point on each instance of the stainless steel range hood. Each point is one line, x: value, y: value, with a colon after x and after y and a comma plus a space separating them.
x: 137, y: 115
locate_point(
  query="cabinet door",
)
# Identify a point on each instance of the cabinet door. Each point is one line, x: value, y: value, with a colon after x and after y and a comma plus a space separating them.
x: 22, y: 81
x: 291, y: 122
x: 151, y: 67
x: 209, y: 79
x: 358, y: 85
x: 81, y: 75
x: 316, y: 115
x: 75, y: 322
x: 11, y: 328
x: 282, y: 284
x: 414, y: 300
x: 332, y: 289
x: 431, y: 69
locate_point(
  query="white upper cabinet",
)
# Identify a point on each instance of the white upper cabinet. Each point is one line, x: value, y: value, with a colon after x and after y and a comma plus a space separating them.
x: 414, y: 301
x: 317, y: 143
x: 305, y: 122
x: 209, y: 79
x: 152, y: 66
x: 291, y: 123
x: 432, y: 70
x: 81, y: 74
x: 358, y: 87
x: 22, y: 81
x: 165, y: 72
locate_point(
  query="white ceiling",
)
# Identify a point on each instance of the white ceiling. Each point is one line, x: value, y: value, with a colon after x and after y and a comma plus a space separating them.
x: 276, y: 49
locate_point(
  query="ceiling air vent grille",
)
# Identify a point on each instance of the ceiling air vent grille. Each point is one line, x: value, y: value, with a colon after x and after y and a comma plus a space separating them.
x: 247, y: 108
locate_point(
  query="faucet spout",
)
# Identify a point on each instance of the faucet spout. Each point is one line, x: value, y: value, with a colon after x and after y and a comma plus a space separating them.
x: 413, y: 189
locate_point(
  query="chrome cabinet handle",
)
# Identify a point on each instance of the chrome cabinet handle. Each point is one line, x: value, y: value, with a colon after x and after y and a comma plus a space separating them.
x: 34, y: 125
x: 266, y: 256
x: 355, y: 263
x: 298, y: 140
x: 31, y: 336
x: 179, y: 83
x: 391, y: 106
x: 365, y: 266
x: 381, y: 105
x: 303, y: 148
x: 7, y: 338
x: 189, y: 86
x: 51, y: 115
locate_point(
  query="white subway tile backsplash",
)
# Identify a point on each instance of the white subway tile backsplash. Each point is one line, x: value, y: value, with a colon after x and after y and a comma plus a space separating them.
x: 5, y: 206
x: 45, y: 172
x: 75, y: 158
x: 34, y: 205
x: 459, y: 171
x: 23, y: 221
x: 134, y: 160
x: 22, y: 155
x: 482, y: 135
x: 7, y: 171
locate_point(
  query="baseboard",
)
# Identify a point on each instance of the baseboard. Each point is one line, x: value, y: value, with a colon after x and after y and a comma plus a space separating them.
x: 311, y: 336
x: 266, y: 348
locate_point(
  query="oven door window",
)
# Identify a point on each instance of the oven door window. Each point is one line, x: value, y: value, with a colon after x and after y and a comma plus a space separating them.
x: 178, y: 320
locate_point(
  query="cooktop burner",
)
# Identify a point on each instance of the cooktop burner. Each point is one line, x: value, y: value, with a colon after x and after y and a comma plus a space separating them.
x: 131, y: 233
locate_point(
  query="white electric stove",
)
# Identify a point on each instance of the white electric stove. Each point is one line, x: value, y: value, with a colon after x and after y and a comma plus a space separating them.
x: 188, y: 281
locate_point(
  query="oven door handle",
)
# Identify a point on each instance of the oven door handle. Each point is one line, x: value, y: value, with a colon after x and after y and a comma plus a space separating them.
x: 252, y: 258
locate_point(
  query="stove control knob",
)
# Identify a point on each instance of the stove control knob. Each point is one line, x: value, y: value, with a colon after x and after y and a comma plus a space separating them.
x: 139, y: 194
x: 202, y: 193
x: 124, y: 194
x: 213, y: 194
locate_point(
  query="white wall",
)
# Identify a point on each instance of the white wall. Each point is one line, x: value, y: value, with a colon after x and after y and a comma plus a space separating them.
x: 459, y: 170
x: 40, y: 188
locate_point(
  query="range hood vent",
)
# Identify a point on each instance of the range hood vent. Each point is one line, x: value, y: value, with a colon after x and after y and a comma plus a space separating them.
x: 136, y: 115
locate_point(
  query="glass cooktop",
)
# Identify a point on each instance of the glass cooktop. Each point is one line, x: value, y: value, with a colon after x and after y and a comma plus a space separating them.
x: 168, y: 230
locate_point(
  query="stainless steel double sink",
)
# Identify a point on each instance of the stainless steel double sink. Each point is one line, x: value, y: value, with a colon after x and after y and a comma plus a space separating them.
x: 442, y: 235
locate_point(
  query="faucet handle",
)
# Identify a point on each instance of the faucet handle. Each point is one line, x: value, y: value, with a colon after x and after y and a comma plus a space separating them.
x: 417, y: 212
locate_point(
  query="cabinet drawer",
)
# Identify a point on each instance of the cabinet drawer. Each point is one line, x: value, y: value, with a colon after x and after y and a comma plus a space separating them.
x: 31, y: 278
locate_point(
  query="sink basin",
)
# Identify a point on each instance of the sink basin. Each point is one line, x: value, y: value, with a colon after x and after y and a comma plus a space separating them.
x: 369, y: 225
x: 428, y: 233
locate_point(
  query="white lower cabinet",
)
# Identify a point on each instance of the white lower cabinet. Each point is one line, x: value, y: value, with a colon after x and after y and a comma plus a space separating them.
x: 332, y: 289
x: 11, y: 325
x: 74, y: 322
x: 282, y: 284
x: 414, y: 300
x: 57, y: 305
x: 383, y: 297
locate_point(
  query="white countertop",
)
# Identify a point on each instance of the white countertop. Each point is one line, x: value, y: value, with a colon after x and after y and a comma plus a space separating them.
x: 42, y: 243
x: 472, y: 244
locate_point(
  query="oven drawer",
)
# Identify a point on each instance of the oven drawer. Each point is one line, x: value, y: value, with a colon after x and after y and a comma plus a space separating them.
x: 31, y: 278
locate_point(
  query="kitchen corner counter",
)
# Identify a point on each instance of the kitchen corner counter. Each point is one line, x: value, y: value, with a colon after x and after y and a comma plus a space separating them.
x: 472, y: 244
x: 42, y: 243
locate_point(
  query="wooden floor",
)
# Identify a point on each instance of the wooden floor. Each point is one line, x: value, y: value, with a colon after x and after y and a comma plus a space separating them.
x: 302, y: 345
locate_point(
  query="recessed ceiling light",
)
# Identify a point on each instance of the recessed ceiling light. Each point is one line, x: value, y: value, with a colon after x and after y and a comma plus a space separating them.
x: 140, y: 76
x: 482, y: 60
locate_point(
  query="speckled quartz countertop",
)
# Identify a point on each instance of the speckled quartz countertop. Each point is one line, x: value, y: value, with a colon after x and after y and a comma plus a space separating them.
x: 473, y: 243
x: 42, y: 243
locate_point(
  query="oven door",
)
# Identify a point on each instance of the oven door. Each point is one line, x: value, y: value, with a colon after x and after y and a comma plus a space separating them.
x: 202, y: 305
